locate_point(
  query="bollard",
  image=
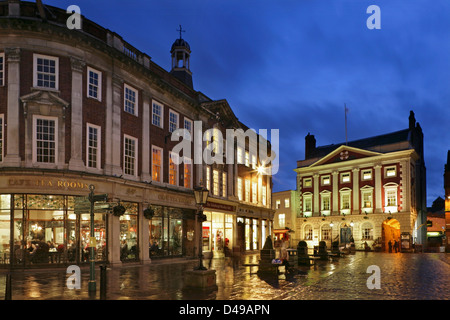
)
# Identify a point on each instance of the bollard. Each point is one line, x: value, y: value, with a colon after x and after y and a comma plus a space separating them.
x: 8, y: 293
x: 103, y: 282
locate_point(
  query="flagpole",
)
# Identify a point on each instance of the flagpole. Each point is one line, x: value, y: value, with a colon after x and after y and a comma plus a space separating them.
x: 345, y: 111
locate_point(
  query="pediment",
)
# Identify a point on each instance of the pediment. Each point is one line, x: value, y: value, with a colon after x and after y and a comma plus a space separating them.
x: 44, y: 102
x: 344, y: 153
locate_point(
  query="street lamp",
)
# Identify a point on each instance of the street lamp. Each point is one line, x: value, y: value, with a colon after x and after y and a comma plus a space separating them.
x: 201, y: 196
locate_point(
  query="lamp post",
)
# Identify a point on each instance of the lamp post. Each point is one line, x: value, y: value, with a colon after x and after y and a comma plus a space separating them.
x: 201, y: 196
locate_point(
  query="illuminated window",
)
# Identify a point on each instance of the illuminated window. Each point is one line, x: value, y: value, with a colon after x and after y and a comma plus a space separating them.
x: 187, y: 178
x: 224, y: 184
x: 325, y: 197
x: 281, y: 220
x: 367, y: 231
x: 326, y: 180
x: 307, y: 182
x: 307, y: 203
x: 367, y: 199
x: 208, y: 178
x: 308, y: 232
x: 247, y: 190
x: 239, y: 189
x: 173, y: 168
x: 264, y: 195
x: 215, y: 182
x: 345, y: 177
x: 277, y: 204
x: 287, y: 203
x: 255, y: 192
x: 240, y: 155
x: 366, y: 174
x: 254, y: 162
x: 391, y: 171
x: 247, y: 159
x: 157, y: 164
x: 1, y: 137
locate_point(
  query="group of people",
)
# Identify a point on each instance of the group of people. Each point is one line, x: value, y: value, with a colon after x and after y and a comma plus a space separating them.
x: 393, y: 246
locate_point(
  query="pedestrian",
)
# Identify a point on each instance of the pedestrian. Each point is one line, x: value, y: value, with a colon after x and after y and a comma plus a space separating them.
x: 395, y: 246
x: 390, y: 246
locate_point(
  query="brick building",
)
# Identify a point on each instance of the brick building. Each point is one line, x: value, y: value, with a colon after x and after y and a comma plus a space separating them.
x: 367, y: 191
x: 84, y: 107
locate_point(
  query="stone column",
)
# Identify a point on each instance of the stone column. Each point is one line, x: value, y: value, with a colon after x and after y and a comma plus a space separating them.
x: 114, y: 240
x: 316, y: 207
x: 144, y: 236
x: 76, y: 152
x: 113, y: 126
x: 335, y: 194
x: 12, y: 154
x: 146, y: 147
x: 356, y: 193
x: 378, y: 189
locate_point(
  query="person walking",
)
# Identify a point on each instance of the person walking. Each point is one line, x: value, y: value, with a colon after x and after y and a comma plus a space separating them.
x: 390, y: 246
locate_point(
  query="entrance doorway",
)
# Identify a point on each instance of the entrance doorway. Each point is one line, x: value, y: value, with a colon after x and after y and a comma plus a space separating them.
x: 390, y: 231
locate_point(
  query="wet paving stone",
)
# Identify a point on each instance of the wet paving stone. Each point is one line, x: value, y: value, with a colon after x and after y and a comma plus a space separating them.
x: 402, y: 277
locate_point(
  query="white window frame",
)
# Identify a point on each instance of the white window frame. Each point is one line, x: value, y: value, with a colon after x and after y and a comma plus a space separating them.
x: 388, y: 189
x: 208, y: 177
x: 287, y: 203
x: 325, y: 180
x: 308, y: 232
x: 254, y: 192
x: 240, y: 155
x: 342, y: 194
x: 307, y: 181
x: 99, y: 85
x: 344, y: 175
x: 2, y: 137
x: 366, y: 191
x: 2, y: 69
x: 186, y: 120
x: 307, y: 197
x: 264, y: 195
x: 215, y: 181
x: 366, y: 174
x: 323, y: 195
x: 161, y: 116
x: 240, y: 190
x: 99, y: 145
x: 224, y: 184
x: 136, y: 155
x: 367, y: 235
x: 277, y: 204
x: 187, y: 162
x: 247, y: 191
x: 172, y: 124
x: 35, y: 72
x: 281, y: 220
x: 161, y: 166
x: 136, y: 102
x: 35, y: 119
x: 174, y: 157
x: 387, y: 169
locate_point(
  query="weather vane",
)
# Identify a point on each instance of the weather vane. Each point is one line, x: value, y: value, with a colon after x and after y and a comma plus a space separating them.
x: 181, y: 30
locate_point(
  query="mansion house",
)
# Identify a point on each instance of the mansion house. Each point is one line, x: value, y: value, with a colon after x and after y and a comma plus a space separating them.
x: 370, y: 191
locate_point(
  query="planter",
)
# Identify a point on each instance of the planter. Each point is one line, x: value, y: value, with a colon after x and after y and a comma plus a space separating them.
x: 149, y: 213
x: 119, y: 210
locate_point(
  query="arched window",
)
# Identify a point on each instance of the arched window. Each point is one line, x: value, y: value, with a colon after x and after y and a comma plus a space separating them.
x: 366, y: 231
x: 308, y: 232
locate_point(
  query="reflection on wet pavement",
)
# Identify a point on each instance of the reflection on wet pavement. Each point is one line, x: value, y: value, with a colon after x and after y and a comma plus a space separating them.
x: 403, y: 276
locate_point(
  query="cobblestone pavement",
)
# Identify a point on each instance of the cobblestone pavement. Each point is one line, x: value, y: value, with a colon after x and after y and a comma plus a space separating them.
x: 423, y: 276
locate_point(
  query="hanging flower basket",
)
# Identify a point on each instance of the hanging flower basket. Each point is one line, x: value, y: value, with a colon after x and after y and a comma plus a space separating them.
x: 149, y: 213
x: 119, y: 210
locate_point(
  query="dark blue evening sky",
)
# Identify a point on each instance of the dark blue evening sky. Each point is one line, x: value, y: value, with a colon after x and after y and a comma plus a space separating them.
x: 293, y: 64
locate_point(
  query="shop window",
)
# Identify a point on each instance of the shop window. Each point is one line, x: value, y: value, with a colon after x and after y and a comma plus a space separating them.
x: 326, y: 232
x: 166, y: 232
x: 367, y: 231
x: 129, y: 232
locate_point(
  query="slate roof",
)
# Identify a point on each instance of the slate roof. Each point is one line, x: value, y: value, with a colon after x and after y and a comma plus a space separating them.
x: 366, y: 143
